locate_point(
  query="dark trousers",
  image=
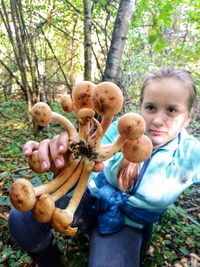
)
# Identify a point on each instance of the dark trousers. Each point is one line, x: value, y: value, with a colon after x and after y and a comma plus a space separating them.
x: 121, y: 249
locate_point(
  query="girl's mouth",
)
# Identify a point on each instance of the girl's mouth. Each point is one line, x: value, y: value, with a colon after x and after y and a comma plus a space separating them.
x: 157, y: 133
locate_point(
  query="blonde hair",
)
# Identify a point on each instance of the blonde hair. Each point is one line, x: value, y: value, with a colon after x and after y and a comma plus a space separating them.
x: 128, y: 171
x: 179, y: 74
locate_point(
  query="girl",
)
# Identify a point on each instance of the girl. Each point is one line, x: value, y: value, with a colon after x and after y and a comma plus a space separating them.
x: 123, y: 201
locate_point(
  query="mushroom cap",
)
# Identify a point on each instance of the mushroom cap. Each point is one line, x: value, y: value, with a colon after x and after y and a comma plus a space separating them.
x: 82, y: 95
x: 107, y: 98
x: 66, y: 102
x: 22, y: 195
x: 184, y: 260
x: 34, y: 162
x: 44, y: 208
x: 137, y: 150
x: 85, y: 114
x: 41, y: 113
x: 131, y: 125
x: 61, y: 220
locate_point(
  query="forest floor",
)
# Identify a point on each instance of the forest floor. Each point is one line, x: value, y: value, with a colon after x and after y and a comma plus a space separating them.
x: 174, y: 238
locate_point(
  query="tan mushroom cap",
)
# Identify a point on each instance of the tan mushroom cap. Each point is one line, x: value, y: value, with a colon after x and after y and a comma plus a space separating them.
x: 34, y: 162
x: 61, y: 220
x: 41, y: 113
x: 66, y: 102
x: 44, y: 208
x: 107, y: 99
x: 22, y: 195
x: 137, y: 150
x: 131, y: 125
x: 85, y: 114
x: 82, y: 95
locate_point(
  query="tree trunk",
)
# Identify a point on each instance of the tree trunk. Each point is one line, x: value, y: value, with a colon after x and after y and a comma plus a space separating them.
x: 87, y: 40
x: 122, y: 22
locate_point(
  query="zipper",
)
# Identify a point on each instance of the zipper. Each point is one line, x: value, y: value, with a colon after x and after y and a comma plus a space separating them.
x: 140, y: 176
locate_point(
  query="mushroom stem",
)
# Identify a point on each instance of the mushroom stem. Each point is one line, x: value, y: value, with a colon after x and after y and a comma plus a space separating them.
x: 80, y: 188
x: 45, y: 204
x: 105, y: 122
x: 43, y: 115
x: 107, y: 151
x: 95, y: 139
x: 73, y: 135
x: 84, y: 118
x: 62, y: 219
x: 66, y: 173
x: 62, y: 190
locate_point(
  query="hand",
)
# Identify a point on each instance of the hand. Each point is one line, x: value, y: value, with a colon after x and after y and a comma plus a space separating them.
x: 53, y: 153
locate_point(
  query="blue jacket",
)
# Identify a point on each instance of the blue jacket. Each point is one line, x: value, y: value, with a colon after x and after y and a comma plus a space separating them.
x: 161, y: 179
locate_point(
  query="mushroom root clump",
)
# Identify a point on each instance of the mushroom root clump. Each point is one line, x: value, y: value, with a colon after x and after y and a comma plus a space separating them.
x: 84, y: 150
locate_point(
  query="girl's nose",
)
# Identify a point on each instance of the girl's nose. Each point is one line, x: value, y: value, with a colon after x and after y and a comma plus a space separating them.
x: 159, y: 120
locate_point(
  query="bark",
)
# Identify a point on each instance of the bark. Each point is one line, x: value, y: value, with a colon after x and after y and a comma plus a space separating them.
x: 20, y: 41
x: 87, y: 40
x: 121, y: 27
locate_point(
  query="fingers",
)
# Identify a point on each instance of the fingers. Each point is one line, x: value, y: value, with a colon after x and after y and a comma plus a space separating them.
x: 98, y: 167
x: 52, y: 153
x: 57, y: 158
x: 62, y: 143
x: 43, y: 154
x: 58, y: 149
x: 29, y: 147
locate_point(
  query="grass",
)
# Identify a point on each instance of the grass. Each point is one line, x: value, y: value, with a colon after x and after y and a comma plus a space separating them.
x: 175, y: 237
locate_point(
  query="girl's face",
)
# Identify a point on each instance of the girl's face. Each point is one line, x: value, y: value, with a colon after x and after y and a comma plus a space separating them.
x: 165, y: 109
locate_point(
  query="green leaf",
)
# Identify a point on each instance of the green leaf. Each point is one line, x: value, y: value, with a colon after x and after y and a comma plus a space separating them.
x: 152, y: 38
x: 184, y: 251
x: 5, y: 201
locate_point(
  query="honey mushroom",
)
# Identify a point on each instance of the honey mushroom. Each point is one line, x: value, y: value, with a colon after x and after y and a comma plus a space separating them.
x: 131, y: 126
x: 62, y: 219
x: 82, y: 95
x: 43, y: 115
x: 137, y: 150
x: 66, y: 103
x: 108, y: 100
x: 86, y: 149
x: 23, y: 194
x: 45, y: 204
x: 85, y: 116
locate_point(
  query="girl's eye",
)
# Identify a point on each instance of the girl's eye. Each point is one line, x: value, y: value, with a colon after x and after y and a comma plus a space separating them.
x: 171, y: 110
x: 150, y: 107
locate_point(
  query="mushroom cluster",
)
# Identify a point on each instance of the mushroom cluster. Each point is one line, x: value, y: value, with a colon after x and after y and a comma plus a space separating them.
x: 85, y: 147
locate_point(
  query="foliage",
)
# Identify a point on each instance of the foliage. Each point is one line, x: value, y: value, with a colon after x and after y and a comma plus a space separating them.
x: 162, y: 33
x: 176, y: 236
